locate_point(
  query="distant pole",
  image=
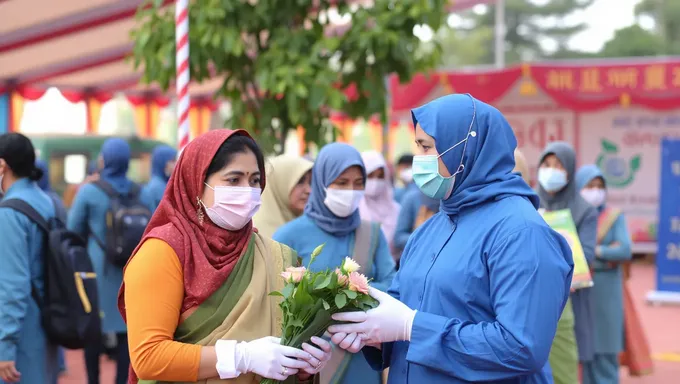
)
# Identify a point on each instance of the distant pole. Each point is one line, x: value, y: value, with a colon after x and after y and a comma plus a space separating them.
x: 499, y: 49
x: 182, y: 71
x: 386, y: 126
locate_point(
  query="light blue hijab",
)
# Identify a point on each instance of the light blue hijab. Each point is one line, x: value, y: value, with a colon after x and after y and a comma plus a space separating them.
x: 489, y: 157
x: 332, y: 161
x: 159, y: 159
x: 587, y: 173
x: 116, y: 155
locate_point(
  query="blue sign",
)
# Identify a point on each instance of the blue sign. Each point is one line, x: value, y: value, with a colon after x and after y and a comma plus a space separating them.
x: 668, y: 254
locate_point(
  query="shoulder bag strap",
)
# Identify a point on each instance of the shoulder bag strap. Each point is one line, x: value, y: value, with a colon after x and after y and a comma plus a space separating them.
x: 107, y: 188
x: 605, y: 222
x: 25, y: 209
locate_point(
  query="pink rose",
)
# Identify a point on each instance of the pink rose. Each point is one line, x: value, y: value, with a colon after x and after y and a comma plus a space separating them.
x: 342, y: 278
x: 358, y: 282
x: 294, y: 274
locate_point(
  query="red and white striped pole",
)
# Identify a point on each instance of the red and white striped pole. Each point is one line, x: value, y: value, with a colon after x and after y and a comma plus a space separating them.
x: 182, y: 68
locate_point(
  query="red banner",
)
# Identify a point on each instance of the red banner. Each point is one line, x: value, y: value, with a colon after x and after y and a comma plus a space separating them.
x: 653, y: 85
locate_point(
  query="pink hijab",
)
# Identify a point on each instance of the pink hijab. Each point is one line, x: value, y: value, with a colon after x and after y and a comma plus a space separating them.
x: 380, y: 208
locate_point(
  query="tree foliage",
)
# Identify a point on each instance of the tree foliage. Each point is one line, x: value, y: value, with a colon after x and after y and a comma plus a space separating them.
x: 633, y: 41
x: 666, y: 17
x: 280, y: 67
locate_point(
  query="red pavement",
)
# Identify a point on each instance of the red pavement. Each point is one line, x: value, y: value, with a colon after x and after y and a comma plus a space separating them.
x: 661, y: 324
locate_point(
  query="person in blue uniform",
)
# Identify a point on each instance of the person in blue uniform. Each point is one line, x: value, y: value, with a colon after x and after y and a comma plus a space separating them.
x: 483, y: 282
x: 415, y: 209
x: 26, y: 356
x: 162, y: 163
x: 87, y: 217
x: 331, y: 217
x: 613, y: 248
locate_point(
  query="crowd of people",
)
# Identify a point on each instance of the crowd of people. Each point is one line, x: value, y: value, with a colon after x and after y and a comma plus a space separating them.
x: 473, y: 285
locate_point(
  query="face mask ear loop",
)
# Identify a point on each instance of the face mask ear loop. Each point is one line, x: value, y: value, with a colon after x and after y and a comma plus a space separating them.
x: 461, y: 167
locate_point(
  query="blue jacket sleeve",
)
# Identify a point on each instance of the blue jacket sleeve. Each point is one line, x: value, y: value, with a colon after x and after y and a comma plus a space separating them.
x: 622, y: 251
x: 15, y: 280
x: 529, y: 277
x: 383, y: 265
x: 407, y: 218
x: 281, y: 236
x: 77, y: 216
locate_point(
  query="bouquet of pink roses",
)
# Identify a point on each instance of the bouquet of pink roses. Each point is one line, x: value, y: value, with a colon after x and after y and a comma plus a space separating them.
x: 311, y: 298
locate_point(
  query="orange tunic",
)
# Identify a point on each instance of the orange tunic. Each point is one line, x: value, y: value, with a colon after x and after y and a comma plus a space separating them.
x: 154, y: 290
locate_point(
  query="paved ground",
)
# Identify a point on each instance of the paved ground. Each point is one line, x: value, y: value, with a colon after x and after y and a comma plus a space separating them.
x: 661, y: 324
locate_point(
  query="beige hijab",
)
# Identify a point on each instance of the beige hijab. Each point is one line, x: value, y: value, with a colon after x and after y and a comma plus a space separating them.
x: 521, y: 165
x: 283, y: 174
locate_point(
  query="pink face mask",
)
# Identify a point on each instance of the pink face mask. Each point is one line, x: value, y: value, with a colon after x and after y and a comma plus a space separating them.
x: 233, y: 207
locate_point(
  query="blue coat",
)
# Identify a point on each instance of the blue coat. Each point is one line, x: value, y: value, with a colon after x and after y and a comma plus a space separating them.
x: 155, y: 188
x: 335, y: 250
x: 22, y: 338
x: 484, y: 285
x: 410, y: 205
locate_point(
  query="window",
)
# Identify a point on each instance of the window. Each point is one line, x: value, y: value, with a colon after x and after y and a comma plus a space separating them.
x: 75, y: 167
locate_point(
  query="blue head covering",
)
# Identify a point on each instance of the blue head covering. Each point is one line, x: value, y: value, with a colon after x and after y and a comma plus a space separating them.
x: 332, y: 161
x: 159, y: 159
x: 92, y: 167
x: 586, y: 174
x: 44, y: 182
x: 489, y: 155
x: 116, y: 155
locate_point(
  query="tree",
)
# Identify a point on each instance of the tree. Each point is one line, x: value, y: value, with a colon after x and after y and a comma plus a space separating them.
x: 461, y: 47
x: 528, y: 23
x: 633, y: 41
x: 281, y: 68
x: 666, y: 17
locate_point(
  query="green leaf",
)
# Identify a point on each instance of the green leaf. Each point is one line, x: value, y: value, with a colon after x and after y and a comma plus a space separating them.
x: 323, y: 283
x: 635, y: 163
x: 287, y: 291
x: 608, y: 146
x: 340, y: 300
x: 276, y: 293
x: 350, y: 294
x: 297, y: 323
x: 326, y: 306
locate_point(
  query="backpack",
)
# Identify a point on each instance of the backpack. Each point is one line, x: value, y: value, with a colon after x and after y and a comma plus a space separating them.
x: 126, y: 220
x: 69, y: 310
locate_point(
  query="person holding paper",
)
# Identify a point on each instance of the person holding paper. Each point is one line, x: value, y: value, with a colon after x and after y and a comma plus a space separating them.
x: 614, y: 247
x: 557, y: 190
x: 483, y: 282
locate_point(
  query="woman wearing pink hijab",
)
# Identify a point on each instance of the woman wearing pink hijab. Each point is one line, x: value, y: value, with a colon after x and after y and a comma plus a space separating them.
x: 378, y: 204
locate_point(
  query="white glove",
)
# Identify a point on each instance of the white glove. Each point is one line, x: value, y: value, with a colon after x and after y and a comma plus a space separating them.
x: 265, y: 357
x: 319, y: 356
x: 350, y: 342
x: 390, y: 321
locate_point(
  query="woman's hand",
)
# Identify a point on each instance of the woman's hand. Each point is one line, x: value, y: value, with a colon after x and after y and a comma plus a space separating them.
x: 390, y: 321
x: 268, y: 358
x: 318, y: 356
x: 349, y: 342
x: 8, y: 372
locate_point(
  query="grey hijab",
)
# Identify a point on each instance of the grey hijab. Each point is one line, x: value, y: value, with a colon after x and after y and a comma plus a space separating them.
x: 567, y: 197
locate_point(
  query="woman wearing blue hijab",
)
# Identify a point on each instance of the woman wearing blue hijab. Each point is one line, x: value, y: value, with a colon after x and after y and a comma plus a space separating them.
x: 613, y: 248
x: 481, y: 284
x: 88, y: 218
x: 331, y: 217
x: 162, y: 164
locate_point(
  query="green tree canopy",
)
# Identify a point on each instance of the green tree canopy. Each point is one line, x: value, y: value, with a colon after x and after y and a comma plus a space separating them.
x: 281, y: 67
x: 633, y: 41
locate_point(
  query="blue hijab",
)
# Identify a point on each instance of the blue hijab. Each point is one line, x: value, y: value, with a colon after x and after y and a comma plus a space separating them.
x: 116, y: 155
x: 159, y: 159
x: 587, y: 173
x: 489, y: 157
x: 44, y: 182
x: 332, y: 161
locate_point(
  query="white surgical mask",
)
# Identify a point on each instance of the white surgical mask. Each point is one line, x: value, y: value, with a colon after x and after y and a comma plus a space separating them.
x: 375, y: 187
x: 233, y: 207
x: 343, y: 202
x: 552, y: 179
x: 406, y: 175
x: 595, y: 196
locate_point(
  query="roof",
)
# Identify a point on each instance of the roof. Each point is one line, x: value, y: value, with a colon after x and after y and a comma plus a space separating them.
x: 80, y: 45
